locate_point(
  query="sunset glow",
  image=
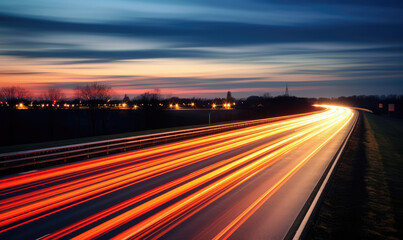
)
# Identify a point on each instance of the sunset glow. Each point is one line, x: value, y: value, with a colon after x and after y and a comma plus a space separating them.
x: 203, y: 48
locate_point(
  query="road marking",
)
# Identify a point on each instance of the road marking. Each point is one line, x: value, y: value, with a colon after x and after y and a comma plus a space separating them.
x: 32, y: 171
x: 43, y: 236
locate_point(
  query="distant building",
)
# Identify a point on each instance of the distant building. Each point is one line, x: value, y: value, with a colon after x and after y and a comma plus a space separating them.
x: 126, y: 99
x: 230, y: 99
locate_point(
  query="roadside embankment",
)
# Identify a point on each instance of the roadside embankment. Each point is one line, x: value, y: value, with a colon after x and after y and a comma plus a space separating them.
x: 364, y: 197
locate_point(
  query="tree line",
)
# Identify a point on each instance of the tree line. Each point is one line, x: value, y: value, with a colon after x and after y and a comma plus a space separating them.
x: 92, y: 94
x: 96, y: 94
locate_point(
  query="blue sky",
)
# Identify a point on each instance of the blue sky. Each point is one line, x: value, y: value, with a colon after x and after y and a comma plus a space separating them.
x: 205, y: 48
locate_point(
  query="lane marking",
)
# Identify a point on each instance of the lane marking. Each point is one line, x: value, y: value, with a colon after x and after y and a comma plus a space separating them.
x: 32, y: 171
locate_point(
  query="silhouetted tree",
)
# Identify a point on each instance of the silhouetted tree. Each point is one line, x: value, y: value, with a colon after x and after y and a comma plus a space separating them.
x: 53, y: 95
x: 94, y: 93
x: 150, y: 99
x: 266, y: 95
x: 150, y: 103
x: 13, y: 95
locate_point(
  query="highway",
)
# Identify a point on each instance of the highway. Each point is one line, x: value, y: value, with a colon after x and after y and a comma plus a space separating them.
x: 249, y: 183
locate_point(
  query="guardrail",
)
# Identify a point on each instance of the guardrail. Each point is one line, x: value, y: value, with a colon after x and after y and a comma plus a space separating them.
x: 33, y: 158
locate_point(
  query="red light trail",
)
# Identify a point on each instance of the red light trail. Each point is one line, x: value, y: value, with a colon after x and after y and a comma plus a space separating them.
x: 158, y: 189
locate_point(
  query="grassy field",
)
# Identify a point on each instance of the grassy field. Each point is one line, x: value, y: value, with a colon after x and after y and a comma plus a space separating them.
x: 364, y: 197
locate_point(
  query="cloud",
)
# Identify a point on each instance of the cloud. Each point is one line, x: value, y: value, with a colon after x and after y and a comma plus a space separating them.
x: 100, y: 56
x: 307, y: 43
x: 187, y: 33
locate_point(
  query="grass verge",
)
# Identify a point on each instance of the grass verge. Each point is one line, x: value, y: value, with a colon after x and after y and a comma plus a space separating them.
x: 364, y: 197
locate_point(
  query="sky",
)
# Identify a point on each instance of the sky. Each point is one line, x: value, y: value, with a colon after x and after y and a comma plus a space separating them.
x: 204, y: 48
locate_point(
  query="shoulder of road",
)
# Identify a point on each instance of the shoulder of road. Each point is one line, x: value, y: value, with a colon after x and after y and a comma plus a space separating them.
x: 364, y: 199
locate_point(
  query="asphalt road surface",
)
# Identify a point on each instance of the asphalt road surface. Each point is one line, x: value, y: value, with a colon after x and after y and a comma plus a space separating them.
x: 249, y: 183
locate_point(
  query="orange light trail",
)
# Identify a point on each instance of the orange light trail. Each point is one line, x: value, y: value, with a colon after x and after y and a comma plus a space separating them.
x: 202, y: 171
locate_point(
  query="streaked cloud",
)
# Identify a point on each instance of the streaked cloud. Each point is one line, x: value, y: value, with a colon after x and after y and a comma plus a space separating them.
x: 248, y: 47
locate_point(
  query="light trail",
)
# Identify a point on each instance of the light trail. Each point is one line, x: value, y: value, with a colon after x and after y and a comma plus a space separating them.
x: 64, y: 172
x: 229, y: 229
x: 163, y: 187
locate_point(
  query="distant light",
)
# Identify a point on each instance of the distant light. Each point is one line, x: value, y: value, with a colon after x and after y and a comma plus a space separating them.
x: 214, y: 105
x: 170, y: 105
x: 177, y: 106
x: 20, y: 106
x: 192, y: 104
x: 124, y: 105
